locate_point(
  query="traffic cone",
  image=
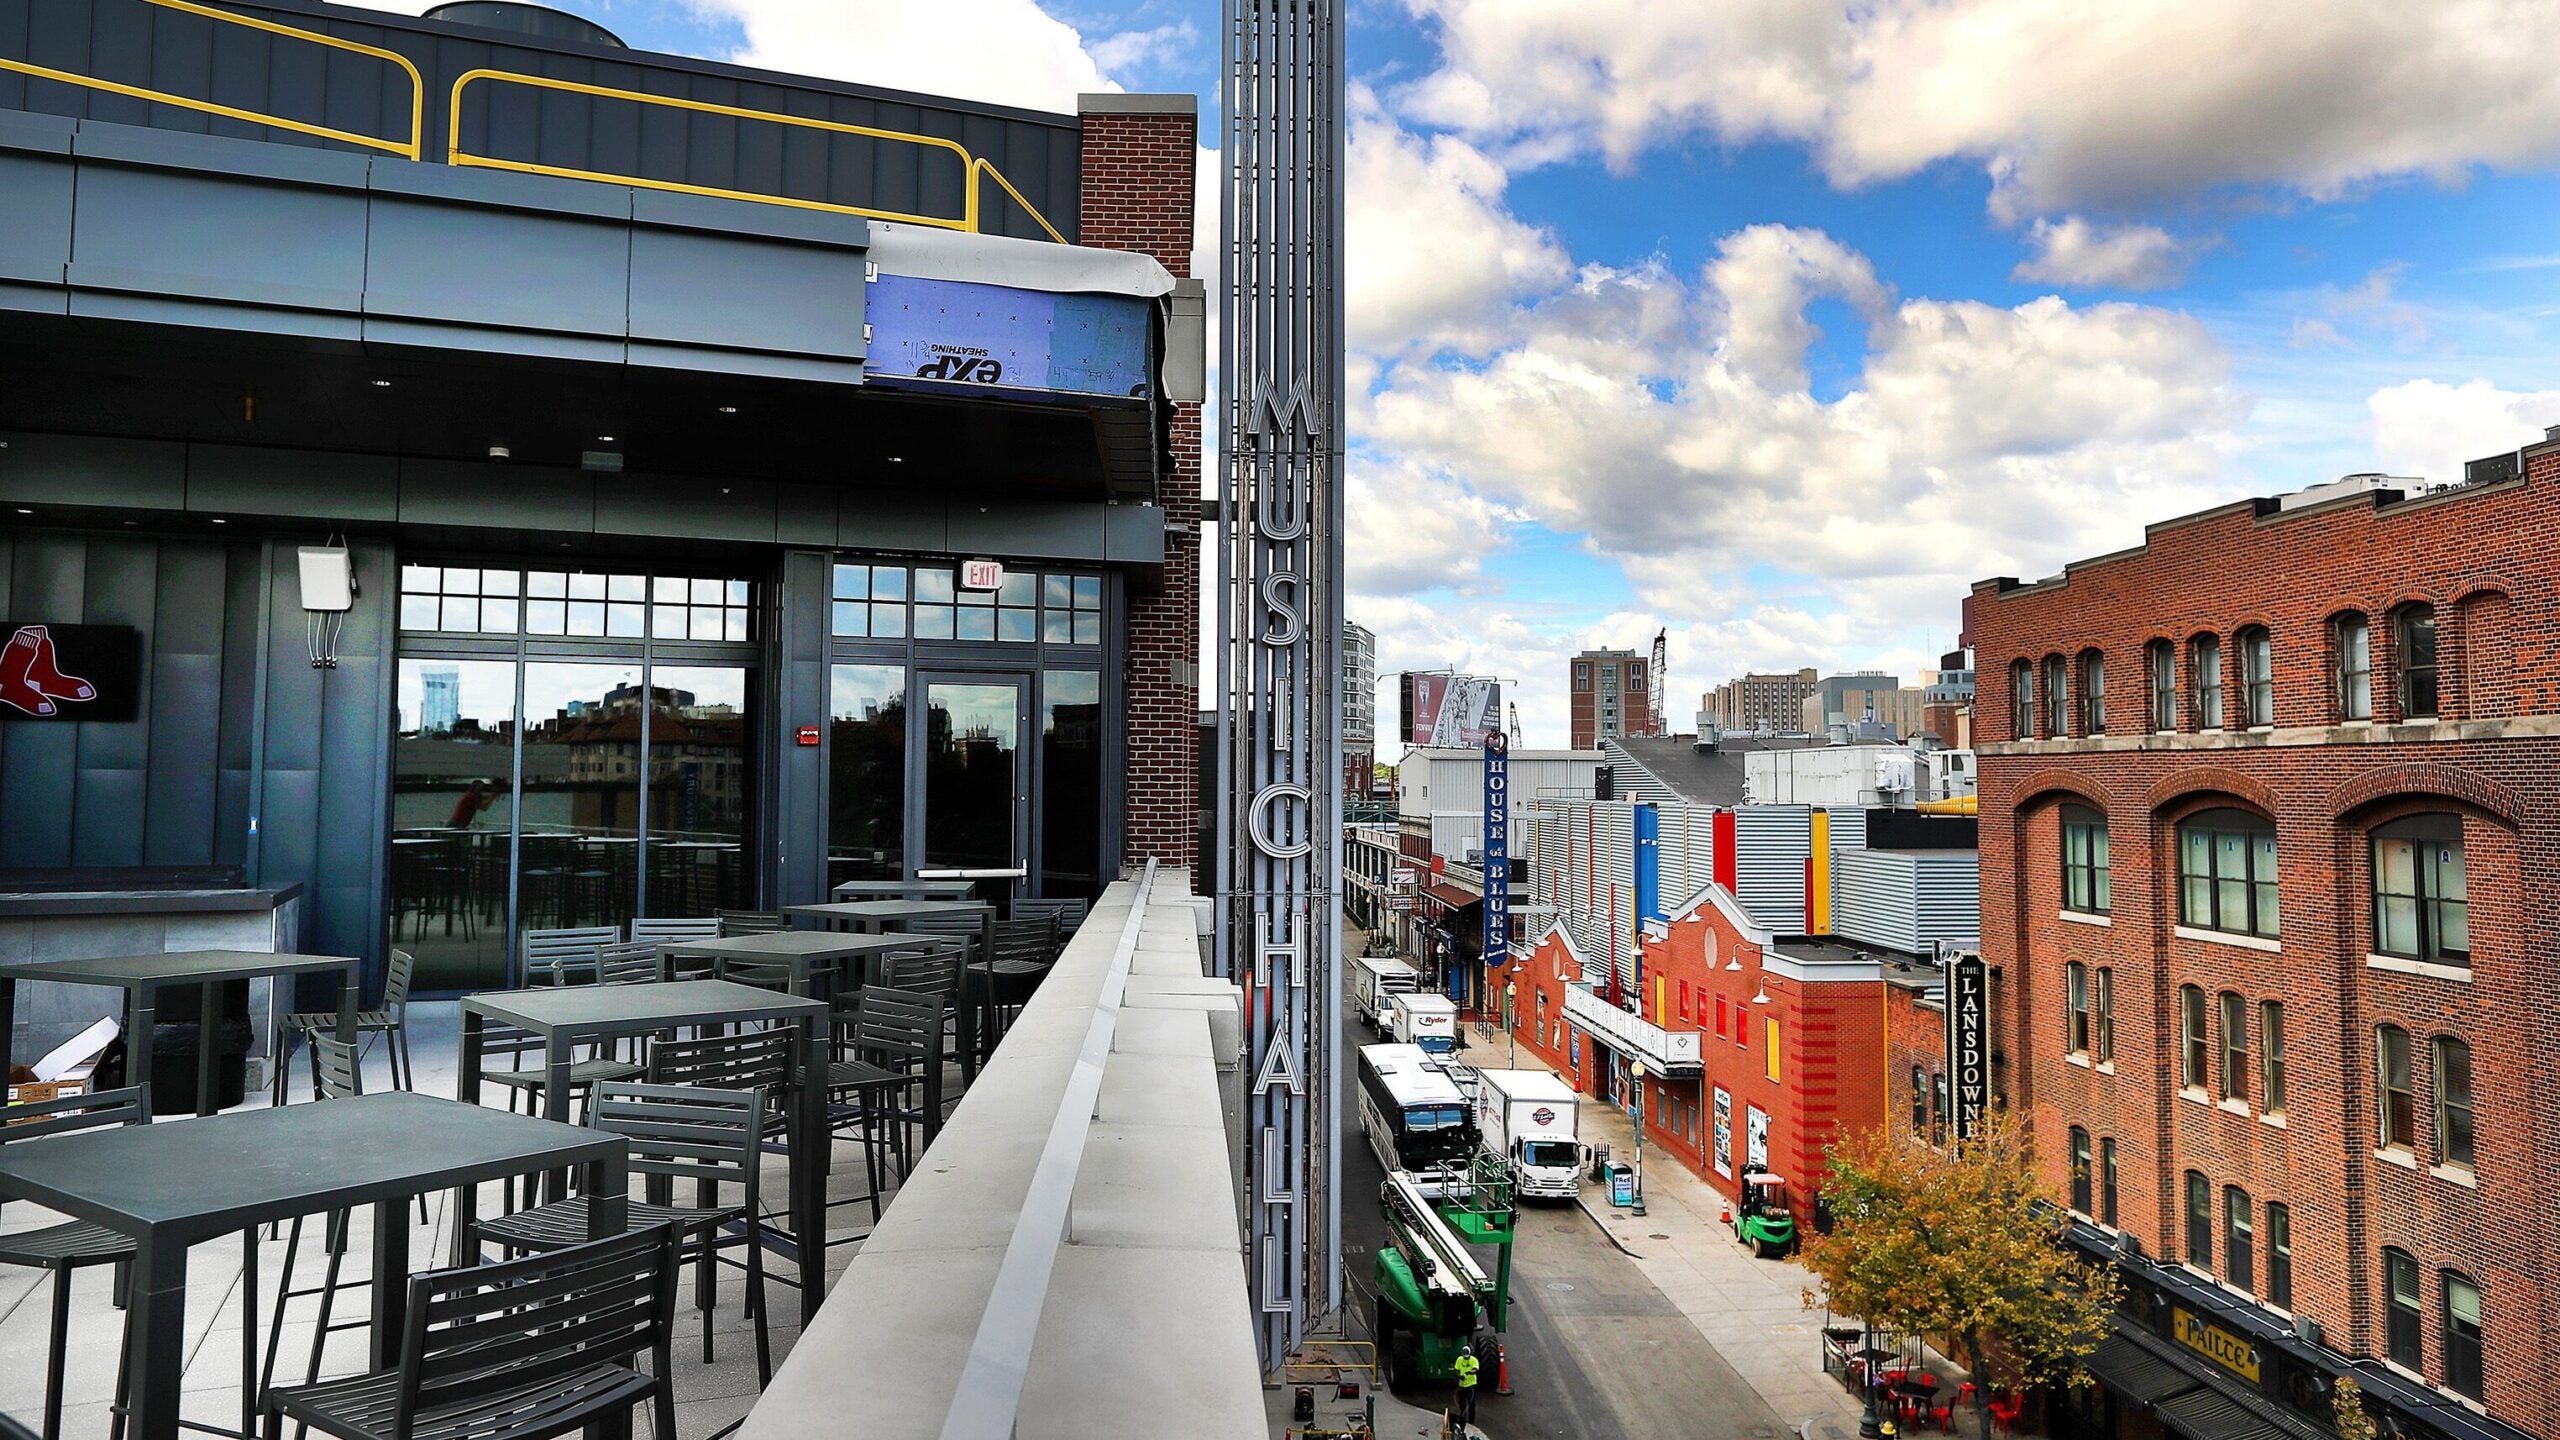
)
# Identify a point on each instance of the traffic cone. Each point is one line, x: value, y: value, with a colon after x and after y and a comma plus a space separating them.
x: 1501, y: 1370
x: 1725, y: 1216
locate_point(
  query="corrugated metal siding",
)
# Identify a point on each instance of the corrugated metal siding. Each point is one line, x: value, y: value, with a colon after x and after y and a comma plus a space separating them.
x: 1874, y: 899
x: 1848, y: 828
x: 1771, y: 844
x: 182, y: 54
x: 1950, y: 896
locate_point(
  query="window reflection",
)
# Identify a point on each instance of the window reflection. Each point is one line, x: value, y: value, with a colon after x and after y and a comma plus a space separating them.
x: 1071, y: 783
x: 700, y: 791
x: 452, y: 810
x: 867, y: 773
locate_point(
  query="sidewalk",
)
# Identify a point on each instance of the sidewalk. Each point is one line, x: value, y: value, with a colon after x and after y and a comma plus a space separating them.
x: 1752, y: 1311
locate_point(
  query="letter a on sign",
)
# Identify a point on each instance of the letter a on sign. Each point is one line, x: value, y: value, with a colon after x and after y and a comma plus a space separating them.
x: 1279, y: 1066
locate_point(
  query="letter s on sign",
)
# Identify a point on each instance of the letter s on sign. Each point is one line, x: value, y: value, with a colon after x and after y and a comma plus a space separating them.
x: 1289, y: 613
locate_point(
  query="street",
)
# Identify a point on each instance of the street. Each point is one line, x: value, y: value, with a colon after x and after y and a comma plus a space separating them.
x: 1596, y: 1351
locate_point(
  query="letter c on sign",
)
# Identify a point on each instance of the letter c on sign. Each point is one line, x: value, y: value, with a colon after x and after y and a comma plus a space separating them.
x: 1260, y: 818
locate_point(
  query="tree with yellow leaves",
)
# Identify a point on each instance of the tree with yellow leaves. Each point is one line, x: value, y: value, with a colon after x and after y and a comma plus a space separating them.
x: 1954, y: 1243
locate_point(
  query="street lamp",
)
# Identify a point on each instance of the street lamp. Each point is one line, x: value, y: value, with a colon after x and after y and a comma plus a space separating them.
x: 1635, y: 1069
x: 1511, y: 1019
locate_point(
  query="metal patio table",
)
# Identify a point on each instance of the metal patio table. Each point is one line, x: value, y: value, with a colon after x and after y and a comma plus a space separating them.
x: 178, y: 1185
x: 879, y: 917
x: 904, y: 890
x: 808, y: 953
x: 142, y: 977
x: 569, y: 1016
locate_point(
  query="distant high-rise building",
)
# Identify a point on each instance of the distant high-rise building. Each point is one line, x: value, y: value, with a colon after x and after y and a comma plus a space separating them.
x: 440, y: 704
x: 1359, y: 708
x: 1860, y: 696
x: 1612, y: 697
x: 1773, y: 702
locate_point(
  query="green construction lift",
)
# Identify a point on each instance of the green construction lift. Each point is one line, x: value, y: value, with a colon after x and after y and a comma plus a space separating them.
x: 1433, y: 1297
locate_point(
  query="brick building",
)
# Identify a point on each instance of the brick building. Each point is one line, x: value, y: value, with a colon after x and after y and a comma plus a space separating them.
x: 1772, y: 703
x: 1612, y: 696
x: 2251, y: 995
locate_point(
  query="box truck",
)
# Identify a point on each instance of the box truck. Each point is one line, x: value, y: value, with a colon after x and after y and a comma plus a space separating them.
x: 1375, y: 983
x: 1430, y: 1021
x: 1528, y: 1117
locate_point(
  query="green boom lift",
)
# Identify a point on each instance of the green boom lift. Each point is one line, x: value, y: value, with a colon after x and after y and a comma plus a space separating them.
x: 1432, y: 1295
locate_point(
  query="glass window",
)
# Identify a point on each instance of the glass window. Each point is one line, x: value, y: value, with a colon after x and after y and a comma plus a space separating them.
x: 2057, y: 710
x: 2452, y: 1065
x: 2075, y: 1001
x: 2401, y: 1340
x: 452, y: 813
x: 2352, y: 639
x: 1071, y: 783
x: 2022, y: 694
x: 2105, y: 1037
x: 2235, y: 1046
x: 2084, y: 860
x: 2417, y: 636
x: 2279, y: 1291
x: 866, y: 773
x: 2208, y: 667
x: 2191, y: 1041
x: 2257, y: 676
x: 2398, y: 1099
x: 2107, y: 1181
x: 702, y: 790
x: 2239, y: 1239
x: 2271, y: 1056
x: 2081, y: 1176
x: 2462, y: 1349
x: 2199, y: 1221
x: 2164, y: 685
x: 2421, y: 894
x: 2093, y: 692
x: 1919, y: 1087
x: 2227, y: 872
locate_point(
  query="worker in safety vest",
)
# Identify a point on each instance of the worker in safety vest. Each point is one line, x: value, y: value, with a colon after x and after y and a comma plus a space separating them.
x: 1467, y: 1366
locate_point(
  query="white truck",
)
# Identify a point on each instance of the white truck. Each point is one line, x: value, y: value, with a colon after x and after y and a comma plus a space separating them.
x: 1528, y: 1116
x: 1375, y: 982
x: 1428, y: 1021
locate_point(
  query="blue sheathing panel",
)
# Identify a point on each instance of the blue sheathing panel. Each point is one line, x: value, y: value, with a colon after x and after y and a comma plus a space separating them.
x: 955, y: 337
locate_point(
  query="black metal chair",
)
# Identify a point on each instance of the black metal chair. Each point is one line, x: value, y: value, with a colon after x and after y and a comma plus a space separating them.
x: 660, y: 930
x: 888, y: 1044
x: 392, y: 1020
x: 521, y: 1350
x: 566, y: 957
x: 751, y: 922
x: 334, y: 1076
x: 73, y: 1244
x: 675, y: 1132
x: 974, y: 929
x: 1024, y: 949
x: 1070, y: 911
x: 627, y: 963
x: 10, y: 1429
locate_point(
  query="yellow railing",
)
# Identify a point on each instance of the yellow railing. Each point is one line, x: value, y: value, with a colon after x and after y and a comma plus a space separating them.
x: 971, y: 167
x: 417, y: 84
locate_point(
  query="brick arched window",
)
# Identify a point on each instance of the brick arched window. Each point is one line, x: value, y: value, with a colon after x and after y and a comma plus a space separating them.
x: 2162, y: 663
x: 2057, y: 710
x: 2413, y: 635
x: 2204, y: 656
x: 2093, y: 692
x: 2351, y: 665
x: 2022, y: 700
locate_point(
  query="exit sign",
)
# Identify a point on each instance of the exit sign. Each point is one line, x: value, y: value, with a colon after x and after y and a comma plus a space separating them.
x: 981, y: 575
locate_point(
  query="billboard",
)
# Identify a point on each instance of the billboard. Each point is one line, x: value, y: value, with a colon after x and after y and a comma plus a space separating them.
x: 1455, y: 710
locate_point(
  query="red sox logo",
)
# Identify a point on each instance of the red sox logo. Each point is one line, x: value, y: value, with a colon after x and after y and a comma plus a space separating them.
x: 30, y: 681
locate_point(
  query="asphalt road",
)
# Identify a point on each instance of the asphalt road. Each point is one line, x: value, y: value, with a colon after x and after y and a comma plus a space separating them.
x: 1596, y: 1351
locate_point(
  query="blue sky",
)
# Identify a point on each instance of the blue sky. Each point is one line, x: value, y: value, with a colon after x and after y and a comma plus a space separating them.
x: 1774, y: 325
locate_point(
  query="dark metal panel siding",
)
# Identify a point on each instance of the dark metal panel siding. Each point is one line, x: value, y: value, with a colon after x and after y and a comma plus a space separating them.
x: 354, y: 750
x: 39, y: 764
x: 243, y: 580
x: 181, y: 813
x: 189, y: 55
x: 800, y: 698
x: 120, y: 583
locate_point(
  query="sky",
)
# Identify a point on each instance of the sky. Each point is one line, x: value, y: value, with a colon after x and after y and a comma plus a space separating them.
x: 1775, y: 325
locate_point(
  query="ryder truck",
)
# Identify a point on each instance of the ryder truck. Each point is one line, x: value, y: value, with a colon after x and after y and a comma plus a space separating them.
x: 1527, y: 1117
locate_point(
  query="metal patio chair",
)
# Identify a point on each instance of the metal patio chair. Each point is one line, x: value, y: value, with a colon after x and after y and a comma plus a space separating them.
x: 520, y: 1350
x: 888, y: 1040
x: 667, y: 929
x: 675, y: 1132
x: 751, y: 922
x: 334, y: 1076
x: 1070, y: 910
x: 392, y: 1021
x: 566, y: 957
x: 633, y: 962
x: 73, y: 1244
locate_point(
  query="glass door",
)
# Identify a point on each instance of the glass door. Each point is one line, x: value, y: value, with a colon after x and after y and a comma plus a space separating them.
x: 452, y: 819
x: 974, y: 770
x: 580, y: 861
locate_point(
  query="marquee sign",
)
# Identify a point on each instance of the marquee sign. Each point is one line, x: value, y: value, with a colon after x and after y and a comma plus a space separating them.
x: 69, y: 672
x: 1968, y: 1036
x: 1497, y: 848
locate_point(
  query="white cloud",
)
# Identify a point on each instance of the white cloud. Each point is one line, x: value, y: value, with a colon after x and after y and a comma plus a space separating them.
x: 2426, y: 427
x: 1010, y: 52
x: 1429, y: 248
x: 1407, y: 530
x: 2066, y: 106
x: 2076, y: 251
x: 1130, y: 49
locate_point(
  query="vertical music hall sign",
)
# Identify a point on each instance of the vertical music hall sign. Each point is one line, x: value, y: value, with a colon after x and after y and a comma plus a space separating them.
x: 1497, y: 848
x: 1280, y: 611
x: 1968, y: 1037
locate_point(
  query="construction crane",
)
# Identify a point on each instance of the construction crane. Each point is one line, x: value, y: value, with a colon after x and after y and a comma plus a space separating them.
x: 1661, y: 690
x: 1432, y: 1294
x: 1515, y: 724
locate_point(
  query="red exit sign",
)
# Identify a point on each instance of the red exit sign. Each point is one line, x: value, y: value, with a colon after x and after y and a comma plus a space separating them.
x: 807, y: 735
x: 981, y: 574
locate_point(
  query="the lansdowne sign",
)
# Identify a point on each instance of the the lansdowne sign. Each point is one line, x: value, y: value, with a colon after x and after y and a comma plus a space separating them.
x: 1968, y: 1036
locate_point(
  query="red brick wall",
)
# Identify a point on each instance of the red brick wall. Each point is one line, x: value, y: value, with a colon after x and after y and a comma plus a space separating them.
x: 1138, y: 195
x: 2494, y: 761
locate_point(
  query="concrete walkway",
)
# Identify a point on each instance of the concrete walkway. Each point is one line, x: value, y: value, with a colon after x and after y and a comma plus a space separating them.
x: 1752, y: 1311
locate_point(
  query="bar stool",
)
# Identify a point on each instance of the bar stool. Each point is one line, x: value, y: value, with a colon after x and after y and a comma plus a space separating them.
x: 74, y: 1244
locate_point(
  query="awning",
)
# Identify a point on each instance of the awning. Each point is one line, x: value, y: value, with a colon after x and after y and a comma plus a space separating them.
x: 2132, y: 1373
x: 2207, y: 1414
x: 1451, y: 896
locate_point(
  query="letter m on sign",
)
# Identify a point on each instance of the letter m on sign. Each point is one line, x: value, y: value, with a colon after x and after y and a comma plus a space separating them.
x: 1275, y: 411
